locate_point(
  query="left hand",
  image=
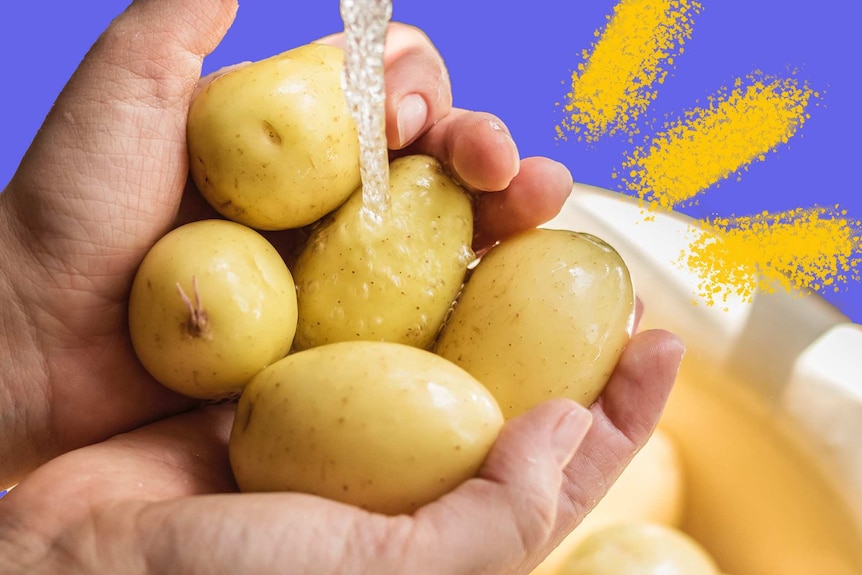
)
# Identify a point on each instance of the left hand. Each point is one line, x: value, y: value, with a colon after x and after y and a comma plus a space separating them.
x: 120, y: 474
x: 103, y: 181
x: 157, y: 501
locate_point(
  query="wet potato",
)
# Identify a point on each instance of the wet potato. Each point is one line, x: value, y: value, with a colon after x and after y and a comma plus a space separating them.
x: 545, y: 314
x: 272, y: 144
x: 383, y: 426
x: 638, y: 549
x: 392, y: 279
x: 211, y: 305
x: 360, y: 412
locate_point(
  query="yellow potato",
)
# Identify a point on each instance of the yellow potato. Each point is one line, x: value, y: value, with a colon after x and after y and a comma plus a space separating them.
x: 545, y: 314
x: 383, y: 426
x: 390, y: 280
x: 211, y: 305
x: 272, y: 144
x: 638, y: 549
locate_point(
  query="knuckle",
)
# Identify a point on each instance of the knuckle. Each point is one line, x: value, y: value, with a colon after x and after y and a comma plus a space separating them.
x: 407, y: 35
x: 537, y: 516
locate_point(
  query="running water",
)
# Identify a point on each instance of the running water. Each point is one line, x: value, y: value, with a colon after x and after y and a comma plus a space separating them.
x: 365, y: 23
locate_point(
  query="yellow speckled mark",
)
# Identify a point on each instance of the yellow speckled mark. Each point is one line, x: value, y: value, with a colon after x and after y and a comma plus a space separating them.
x: 617, y: 82
x: 814, y: 249
x: 709, y: 144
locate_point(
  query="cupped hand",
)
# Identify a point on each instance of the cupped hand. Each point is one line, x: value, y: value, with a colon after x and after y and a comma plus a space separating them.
x: 104, y: 179
x: 119, y: 474
x: 157, y: 500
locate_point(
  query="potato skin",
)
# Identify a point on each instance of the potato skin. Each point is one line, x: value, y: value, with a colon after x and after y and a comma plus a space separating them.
x: 545, y: 314
x: 389, y: 280
x: 272, y: 144
x: 244, y: 291
x: 382, y: 426
x: 639, y: 549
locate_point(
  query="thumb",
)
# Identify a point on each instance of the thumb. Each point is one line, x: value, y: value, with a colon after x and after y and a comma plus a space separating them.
x: 112, y: 149
x: 502, y: 519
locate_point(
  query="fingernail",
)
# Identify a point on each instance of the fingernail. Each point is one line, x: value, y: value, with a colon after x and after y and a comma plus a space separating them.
x: 679, y: 344
x: 681, y: 355
x: 570, y: 432
x: 412, y: 115
x: 497, y: 126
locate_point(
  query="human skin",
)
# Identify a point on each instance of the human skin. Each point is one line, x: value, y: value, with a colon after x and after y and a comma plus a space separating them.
x: 117, y: 473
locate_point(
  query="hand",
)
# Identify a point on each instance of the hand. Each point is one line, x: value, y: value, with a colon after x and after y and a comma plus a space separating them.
x: 153, y: 501
x: 103, y: 181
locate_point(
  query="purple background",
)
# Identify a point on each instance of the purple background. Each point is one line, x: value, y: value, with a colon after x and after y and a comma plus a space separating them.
x: 516, y: 62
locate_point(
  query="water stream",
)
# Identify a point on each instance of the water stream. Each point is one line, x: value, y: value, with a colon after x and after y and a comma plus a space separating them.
x: 365, y: 23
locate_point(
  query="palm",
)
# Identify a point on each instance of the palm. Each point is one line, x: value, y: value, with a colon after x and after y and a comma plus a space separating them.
x: 101, y: 183
x: 137, y: 491
x: 162, y: 495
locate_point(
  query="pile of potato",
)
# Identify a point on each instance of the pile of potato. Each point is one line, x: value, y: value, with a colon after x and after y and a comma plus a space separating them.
x: 377, y: 365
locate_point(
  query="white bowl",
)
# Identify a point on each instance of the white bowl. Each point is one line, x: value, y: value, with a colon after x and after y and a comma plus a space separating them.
x: 767, y: 411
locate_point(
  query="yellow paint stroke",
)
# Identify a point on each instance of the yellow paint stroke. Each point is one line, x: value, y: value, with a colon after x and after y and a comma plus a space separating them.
x: 815, y: 249
x: 709, y: 144
x: 812, y: 249
x: 617, y: 81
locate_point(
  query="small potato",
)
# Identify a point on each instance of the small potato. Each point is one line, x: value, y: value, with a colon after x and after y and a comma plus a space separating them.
x: 272, y: 144
x: 638, y: 549
x: 545, y: 314
x: 389, y: 280
x: 383, y: 426
x: 211, y: 305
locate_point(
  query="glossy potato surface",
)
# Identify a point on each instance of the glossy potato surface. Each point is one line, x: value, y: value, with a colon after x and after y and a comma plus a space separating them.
x: 211, y: 305
x: 272, y: 144
x: 383, y: 426
x: 545, y: 314
x: 392, y: 279
x: 638, y: 549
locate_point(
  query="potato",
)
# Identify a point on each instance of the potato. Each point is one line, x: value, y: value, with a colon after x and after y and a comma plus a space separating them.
x: 638, y: 549
x: 383, y: 426
x: 272, y: 144
x: 545, y: 314
x: 390, y: 280
x: 211, y: 305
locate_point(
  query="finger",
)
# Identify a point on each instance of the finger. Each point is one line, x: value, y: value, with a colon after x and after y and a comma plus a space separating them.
x: 418, y: 92
x: 534, y: 196
x: 497, y: 522
x: 624, y: 417
x: 112, y: 148
x: 635, y: 396
x: 476, y: 148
